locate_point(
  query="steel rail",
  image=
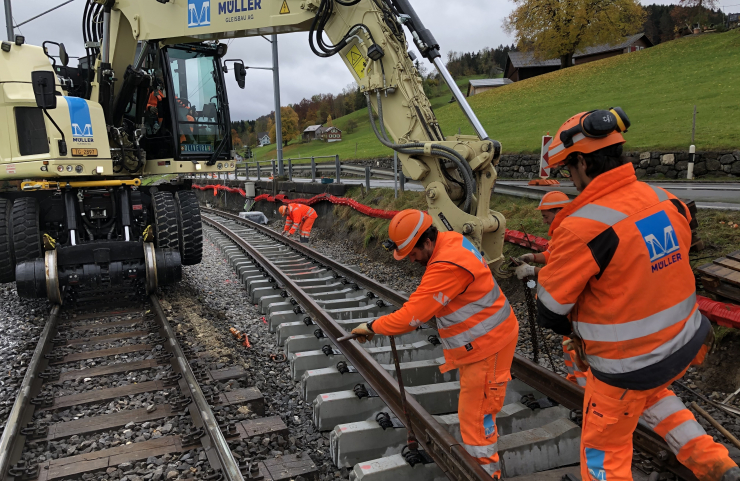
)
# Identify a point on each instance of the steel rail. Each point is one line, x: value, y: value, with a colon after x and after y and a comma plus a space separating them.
x: 10, y: 444
x: 446, y: 451
x: 230, y: 468
x: 531, y: 374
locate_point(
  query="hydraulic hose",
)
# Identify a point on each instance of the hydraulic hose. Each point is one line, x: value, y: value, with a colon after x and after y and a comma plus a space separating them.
x: 416, y: 148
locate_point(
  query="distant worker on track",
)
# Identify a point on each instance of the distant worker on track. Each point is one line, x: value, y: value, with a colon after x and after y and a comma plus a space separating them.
x: 298, y: 217
x: 552, y: 203
x: 618, y: 281
x: 476, y: 324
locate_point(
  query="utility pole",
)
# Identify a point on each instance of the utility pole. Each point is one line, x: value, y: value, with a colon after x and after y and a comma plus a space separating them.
x: 9, y: 21
x: 276, y: 87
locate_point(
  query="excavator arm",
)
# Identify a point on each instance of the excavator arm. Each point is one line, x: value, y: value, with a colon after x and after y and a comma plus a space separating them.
x: 458, y: 172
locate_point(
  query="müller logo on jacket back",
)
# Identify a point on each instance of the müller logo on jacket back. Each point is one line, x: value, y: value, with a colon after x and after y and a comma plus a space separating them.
x: 660, y: 239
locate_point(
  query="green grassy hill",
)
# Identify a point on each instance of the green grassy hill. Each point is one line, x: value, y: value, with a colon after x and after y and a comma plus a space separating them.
x: 657, y: 87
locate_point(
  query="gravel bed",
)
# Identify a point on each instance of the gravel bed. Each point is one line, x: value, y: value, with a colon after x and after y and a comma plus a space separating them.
x: 21, y: 322
x: 213, y: 301
x: 111, y: 360
x: 84, y: 384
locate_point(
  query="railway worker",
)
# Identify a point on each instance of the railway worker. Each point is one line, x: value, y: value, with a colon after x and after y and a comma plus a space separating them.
x: 552, y: 203
x: 619, y: 278
x: 477, y: 326
x: 299, y: 217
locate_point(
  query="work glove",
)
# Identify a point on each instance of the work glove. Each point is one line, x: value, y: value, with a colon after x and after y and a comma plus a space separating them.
x: 575, y: 346
x: 363, y: 333
x: 527, y: 258
x: 284, y: 233
x: 524, y: 271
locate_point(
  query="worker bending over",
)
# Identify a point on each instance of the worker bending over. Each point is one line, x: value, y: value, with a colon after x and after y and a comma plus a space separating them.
x: 619, y: 278
x: 476, y: 324
x: 552, y: 203
x: 298, y: 217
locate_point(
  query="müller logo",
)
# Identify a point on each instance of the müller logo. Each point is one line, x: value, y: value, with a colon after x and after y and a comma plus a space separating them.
x: 199, y: 13
x: 79, y: 117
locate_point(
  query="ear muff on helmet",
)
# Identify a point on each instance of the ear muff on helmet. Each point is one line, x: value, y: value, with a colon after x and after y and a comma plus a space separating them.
x: 597, y: 124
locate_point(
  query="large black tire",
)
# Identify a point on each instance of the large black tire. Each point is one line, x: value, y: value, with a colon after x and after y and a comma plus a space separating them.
x: 165, y: 220
x: 26, y: 229
x: 189, y: 227
x: 7, y: 256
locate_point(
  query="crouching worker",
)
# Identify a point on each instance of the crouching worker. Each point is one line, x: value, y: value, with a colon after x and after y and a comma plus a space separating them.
x: 299, y: 217
x: 477, y: 326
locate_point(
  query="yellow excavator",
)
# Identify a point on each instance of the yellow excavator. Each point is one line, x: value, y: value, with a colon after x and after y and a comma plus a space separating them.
x: 149, y: 98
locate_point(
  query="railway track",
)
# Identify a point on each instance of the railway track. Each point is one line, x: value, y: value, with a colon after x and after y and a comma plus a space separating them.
x: 127, y: 394
x: 309, y: 301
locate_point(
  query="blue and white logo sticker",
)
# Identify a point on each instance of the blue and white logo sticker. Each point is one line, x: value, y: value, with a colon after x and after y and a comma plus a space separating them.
x: 595, y: 463
x: 79, y: 116
x: 489, y: 425
x: 469, y: 246
x: 199, y: 13
x: 659, y: 235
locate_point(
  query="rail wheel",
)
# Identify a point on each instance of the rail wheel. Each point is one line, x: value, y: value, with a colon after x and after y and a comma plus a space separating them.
x: 165, y: 220
x: 190, y: 229
x: 7, y: 256
x: 26, y: 229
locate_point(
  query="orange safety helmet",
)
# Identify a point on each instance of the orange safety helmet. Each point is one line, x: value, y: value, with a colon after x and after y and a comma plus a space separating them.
x: 588, y: 132
x: 553, y: 200
x: 405, y: 229
x: 283, y: 210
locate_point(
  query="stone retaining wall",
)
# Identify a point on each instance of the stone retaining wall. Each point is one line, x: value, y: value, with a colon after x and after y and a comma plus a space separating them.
x: 648, y: 165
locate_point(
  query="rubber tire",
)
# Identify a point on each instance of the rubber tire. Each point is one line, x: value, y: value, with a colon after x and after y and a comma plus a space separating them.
x: 165, y: 220
x: 7, y: 256
x: 26, y: 230
x: 189, y: 227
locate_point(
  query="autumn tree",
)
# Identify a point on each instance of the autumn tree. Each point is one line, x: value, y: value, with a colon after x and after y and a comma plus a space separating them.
x: 236, y: 141
x: 329, y: 121
x: 559, y: 28
x: 290, y: 128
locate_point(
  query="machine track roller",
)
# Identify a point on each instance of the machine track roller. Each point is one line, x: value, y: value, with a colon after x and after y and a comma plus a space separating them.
x: 190, y: 229
x: 26, y: 229
x: 7, y: 256
x: 165, y: 220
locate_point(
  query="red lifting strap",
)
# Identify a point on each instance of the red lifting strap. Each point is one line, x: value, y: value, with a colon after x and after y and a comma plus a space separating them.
x: 721, y: 313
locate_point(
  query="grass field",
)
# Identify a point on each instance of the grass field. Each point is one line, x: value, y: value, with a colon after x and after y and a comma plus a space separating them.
x: 658, y: 88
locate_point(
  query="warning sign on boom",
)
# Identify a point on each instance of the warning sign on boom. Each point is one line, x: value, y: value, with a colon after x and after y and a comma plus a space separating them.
x: 284, y: 9
x: 357, y: 61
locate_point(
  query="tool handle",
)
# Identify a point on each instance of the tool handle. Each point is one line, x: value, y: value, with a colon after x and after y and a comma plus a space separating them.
x: 348, y: 337
x: 515, y: 261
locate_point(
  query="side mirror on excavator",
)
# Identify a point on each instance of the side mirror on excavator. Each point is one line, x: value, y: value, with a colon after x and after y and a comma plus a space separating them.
x: 63, y: 56
x: 240, y: 71
x: 44, y: 89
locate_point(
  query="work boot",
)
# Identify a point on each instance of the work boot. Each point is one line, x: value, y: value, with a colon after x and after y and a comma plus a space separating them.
x: 732, y: 474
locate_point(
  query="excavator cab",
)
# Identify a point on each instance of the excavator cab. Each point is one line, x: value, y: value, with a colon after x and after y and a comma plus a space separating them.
x: 187, y: 115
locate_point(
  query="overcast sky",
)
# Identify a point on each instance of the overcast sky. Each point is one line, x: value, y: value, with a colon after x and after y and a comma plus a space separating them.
x: 459, y: 25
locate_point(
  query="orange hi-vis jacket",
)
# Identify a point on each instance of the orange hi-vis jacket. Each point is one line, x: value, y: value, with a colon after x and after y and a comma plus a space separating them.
x: 619, y: 267
x: 474, y: 318
x: 297, y: 213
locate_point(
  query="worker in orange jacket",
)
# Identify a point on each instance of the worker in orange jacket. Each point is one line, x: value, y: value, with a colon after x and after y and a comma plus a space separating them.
x: 619, y: 282
x: 552, y: 203
x: 476, y: 324
x: 298, y: 217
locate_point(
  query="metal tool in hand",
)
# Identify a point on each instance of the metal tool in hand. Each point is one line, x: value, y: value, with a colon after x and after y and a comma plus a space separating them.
x: 411, y: 440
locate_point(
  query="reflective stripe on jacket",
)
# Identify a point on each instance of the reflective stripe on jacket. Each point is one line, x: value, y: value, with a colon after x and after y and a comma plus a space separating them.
x: 619, y: 267
x: 474, y: 317
x: 297, y: 213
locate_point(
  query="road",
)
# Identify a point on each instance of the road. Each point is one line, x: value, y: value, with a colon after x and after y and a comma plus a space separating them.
x: 707, y: 195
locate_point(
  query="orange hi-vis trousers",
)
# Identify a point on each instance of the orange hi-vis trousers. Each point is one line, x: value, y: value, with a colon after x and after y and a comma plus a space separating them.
x: 482, y: 393
x: 306, y: 227
x: 610, y: 417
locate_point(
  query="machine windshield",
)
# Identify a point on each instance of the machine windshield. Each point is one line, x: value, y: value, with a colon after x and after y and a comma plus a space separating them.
x: 197, y: 100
